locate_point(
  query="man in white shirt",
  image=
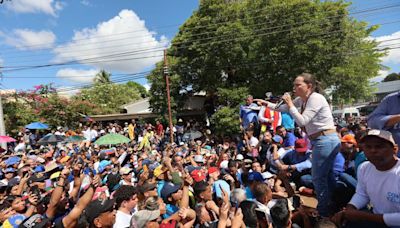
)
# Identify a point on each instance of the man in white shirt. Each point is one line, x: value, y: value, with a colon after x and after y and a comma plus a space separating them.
x: 126, y: 201
x: 378, y: 185
x: 251, y: 143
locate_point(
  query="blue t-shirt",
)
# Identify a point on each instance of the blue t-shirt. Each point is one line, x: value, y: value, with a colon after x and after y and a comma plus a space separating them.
x: 249, y: 194
x: 248, y: 114
x: 171, y: 209
x: 289, y: 139
x: 160, y: 185
x: 287, y: 121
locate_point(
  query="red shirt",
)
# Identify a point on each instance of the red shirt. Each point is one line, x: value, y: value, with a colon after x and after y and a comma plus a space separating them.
x: 159, y: 129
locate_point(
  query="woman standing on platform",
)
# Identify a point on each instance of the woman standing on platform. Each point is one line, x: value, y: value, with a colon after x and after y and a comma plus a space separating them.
x: 312, y: 112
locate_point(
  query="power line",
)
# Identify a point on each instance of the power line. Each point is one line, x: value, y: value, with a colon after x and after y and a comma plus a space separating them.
x: 213, y: 26
x: 125, y: 79
x: 87, y: 61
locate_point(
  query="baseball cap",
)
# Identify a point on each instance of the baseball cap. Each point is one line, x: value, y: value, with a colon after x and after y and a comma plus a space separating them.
x: 300, y: 145
x: 144, y: 216
x: 125, y: 170
x: 159, y: 170
x: 255, y: 176
x: 277, y: 139
x: 168, y: 189
x: 224, y: 164
x: 147, y: 187
x: 35, y: 221
x: 12, y: 161
x: 197, y: 175
x: 9, y: 170
x: 198, y: 158
x: 103, y: 164
x: 349, y: 138
x: 98, y: 207
x: 55, y: 175
x: 380, y: 134
x: 239, y: 157
x: 212, y: 170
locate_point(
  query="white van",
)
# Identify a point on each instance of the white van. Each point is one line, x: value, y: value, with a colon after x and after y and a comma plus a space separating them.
x: 346, y: 113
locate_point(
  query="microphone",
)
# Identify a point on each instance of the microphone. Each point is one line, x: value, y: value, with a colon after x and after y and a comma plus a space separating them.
x: 281, y: 101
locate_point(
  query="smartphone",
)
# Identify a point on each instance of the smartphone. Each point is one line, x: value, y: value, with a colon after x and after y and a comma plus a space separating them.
x: 296, y: 202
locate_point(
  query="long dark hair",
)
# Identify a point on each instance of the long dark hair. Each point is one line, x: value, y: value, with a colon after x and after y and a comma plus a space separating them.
x: 310, y: 79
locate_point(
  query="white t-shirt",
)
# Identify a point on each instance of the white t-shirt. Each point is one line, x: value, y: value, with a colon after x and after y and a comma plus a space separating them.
x: 93, y: 134
x: 87, y: 134
x: 122, y: 220
x: 381, y: 189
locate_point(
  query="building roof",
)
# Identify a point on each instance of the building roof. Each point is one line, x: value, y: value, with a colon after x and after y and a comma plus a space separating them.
x: 138, y: 107
x: 387, y: 87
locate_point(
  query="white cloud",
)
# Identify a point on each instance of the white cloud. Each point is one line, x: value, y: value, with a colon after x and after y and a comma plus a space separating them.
x: 393, y: 56
x: 381, y: 75
x: 121, y: 34
x: 1, y: 62
x: 77, y: 75
x: 26, y: 39
x: 50, y: 7
x: 85, y: 2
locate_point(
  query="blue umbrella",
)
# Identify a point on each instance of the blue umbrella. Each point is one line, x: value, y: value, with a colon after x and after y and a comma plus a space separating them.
x: 37, y: 125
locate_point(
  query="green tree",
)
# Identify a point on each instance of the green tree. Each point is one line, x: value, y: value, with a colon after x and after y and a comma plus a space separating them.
x: 143, y: 92
x: 225, y: 45
x: 102, y: 77
x: 108, y: 97
x: 43, y: 104
x: 225, y: 120
x: 392, y: 77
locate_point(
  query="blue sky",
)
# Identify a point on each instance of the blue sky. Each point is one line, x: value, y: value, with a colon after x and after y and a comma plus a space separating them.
x: 41, y: 32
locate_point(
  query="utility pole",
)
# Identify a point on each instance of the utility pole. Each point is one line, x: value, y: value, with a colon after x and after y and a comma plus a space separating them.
x: 166, y: 74
x: 2, y: 127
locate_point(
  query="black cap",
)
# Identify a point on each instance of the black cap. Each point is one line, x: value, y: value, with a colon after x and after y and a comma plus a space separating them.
x: 147, y: 187
x: 97, y: 207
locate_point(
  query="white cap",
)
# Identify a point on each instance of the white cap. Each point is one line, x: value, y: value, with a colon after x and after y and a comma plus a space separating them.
x: 386, y: 135
x: 224, y: 164
x: 239, y: 157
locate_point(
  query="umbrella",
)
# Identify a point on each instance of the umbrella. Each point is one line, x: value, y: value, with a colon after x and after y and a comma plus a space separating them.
x: 112, y: 139
x: 37, y: 125
x: 75, y: 138
x: 51, y: 139
x: 6, y: 139
x: 192, y: 135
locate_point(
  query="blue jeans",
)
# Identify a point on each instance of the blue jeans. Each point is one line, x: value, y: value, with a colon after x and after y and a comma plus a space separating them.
x: 325, y: 149
x: 349, y: 180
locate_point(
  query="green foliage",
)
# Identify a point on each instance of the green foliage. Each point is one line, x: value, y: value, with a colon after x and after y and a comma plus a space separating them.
x: 392, y: 77
x: 228, y: 47
x: 226, y: 121
x: 108, y: 97
x: 42, y: 104
x: 232, y: 97
x: 17, y: 114
x: 143, y: 92
x: 102, y: 77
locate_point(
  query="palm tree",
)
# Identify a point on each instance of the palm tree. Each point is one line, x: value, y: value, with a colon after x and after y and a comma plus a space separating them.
x: 102, y: 77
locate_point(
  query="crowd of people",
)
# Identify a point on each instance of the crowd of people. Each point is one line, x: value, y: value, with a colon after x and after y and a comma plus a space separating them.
x: 258, y: 179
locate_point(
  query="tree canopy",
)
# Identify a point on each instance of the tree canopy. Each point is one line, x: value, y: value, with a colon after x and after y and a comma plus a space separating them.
x: 264, y: 44
x: 392, y: 77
